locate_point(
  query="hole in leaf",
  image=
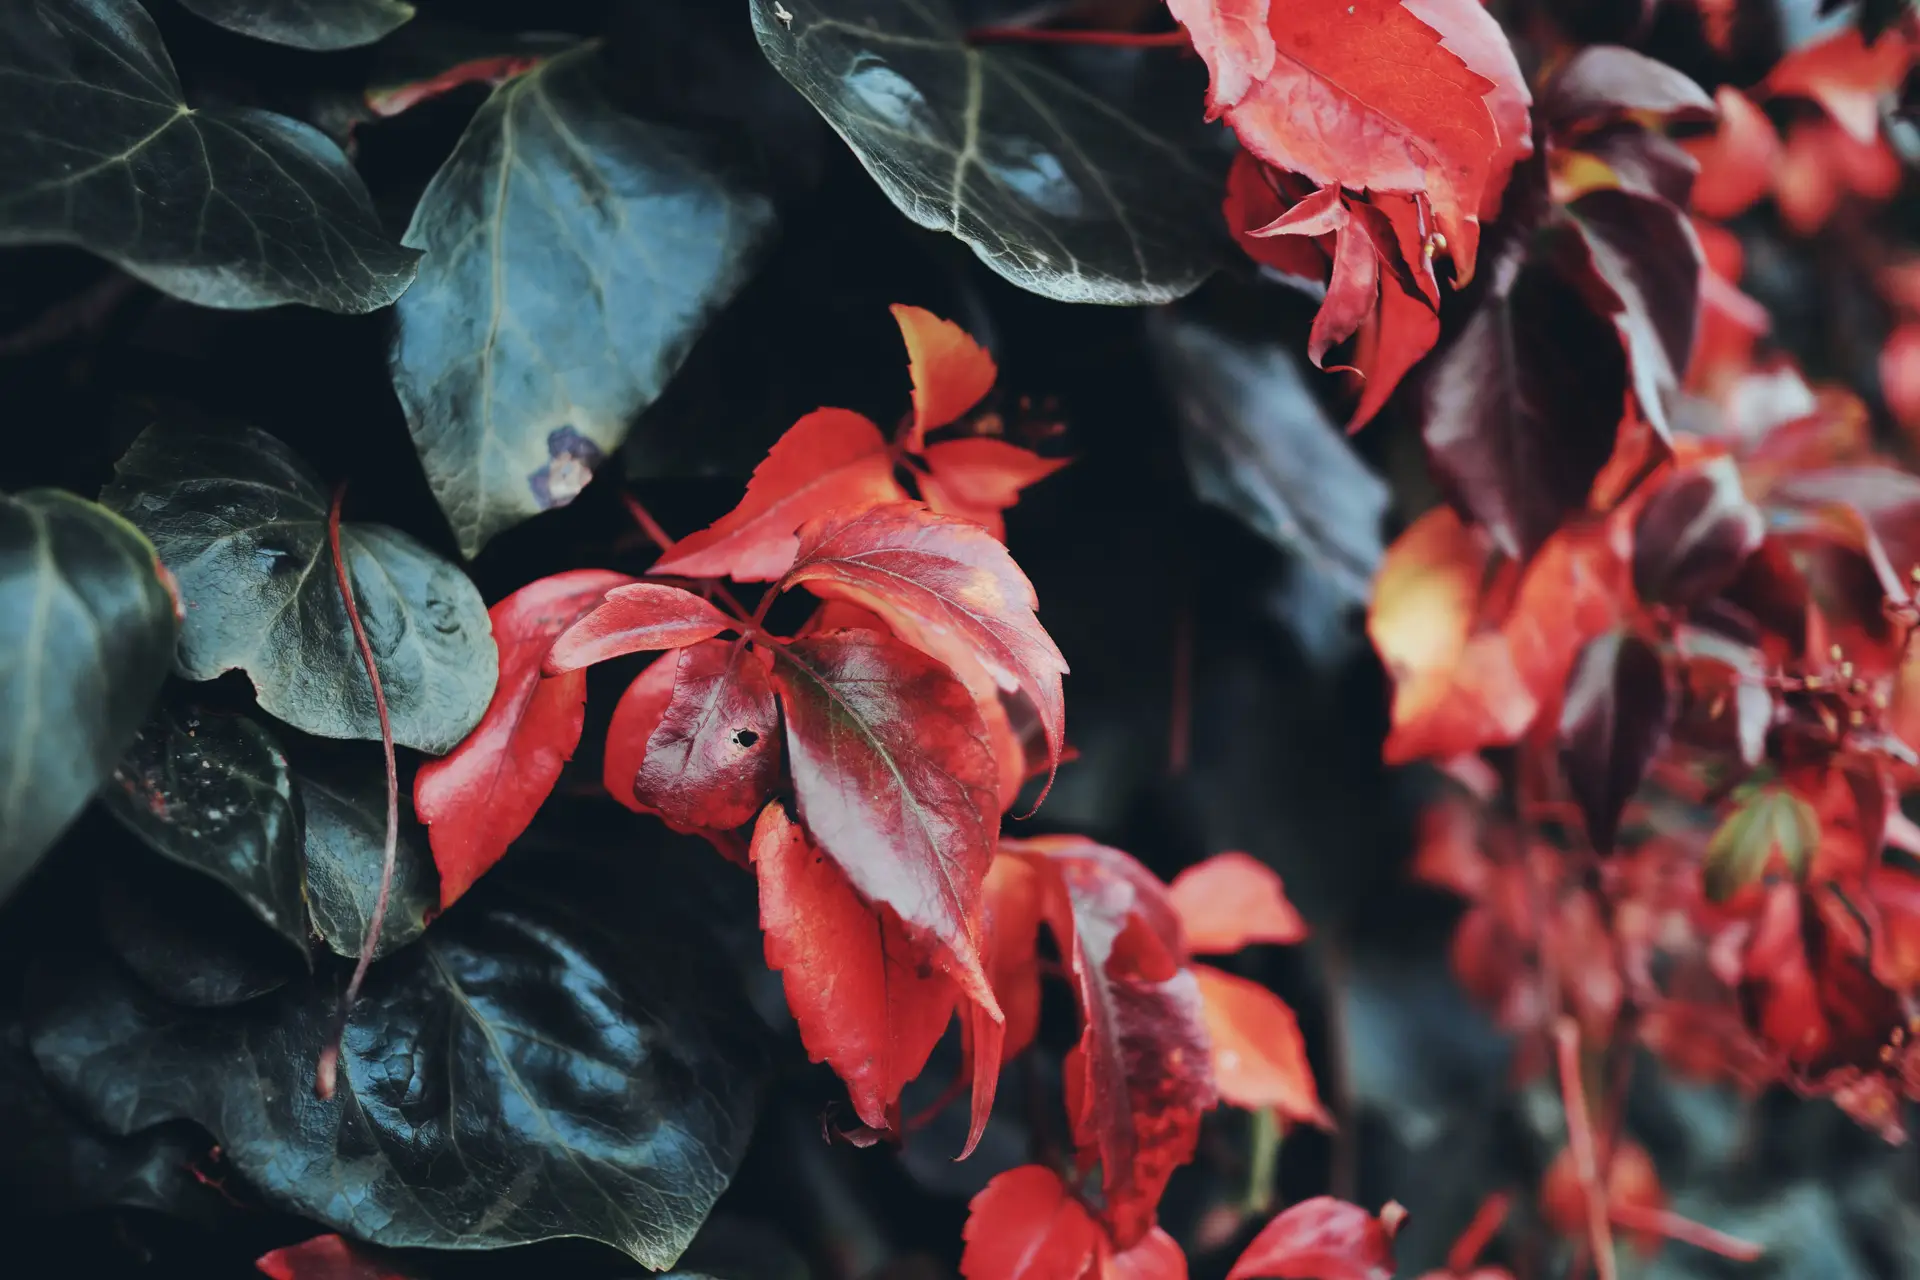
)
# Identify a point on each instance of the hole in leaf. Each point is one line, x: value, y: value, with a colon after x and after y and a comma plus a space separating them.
x: 745, y: 738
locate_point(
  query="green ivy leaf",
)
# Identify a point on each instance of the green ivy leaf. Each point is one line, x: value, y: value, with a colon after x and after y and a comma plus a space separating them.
x: 1065, y: 194
x: 306, y: 24
x: 526, y: 1072
x: 574, y: 253
x: 86, y: 627
x: 213, y: 793
x: 225, y: 207
x: 346, y: 834
x: 243, y: 524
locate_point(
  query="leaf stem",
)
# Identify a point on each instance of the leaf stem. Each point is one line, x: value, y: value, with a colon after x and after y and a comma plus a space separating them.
x: 1573, y: 1096
x: 1664, y: 1222
x: 325, y: 1076
x: 1108, y: 39
x: 1263, y: 1161
x: 658, y: 536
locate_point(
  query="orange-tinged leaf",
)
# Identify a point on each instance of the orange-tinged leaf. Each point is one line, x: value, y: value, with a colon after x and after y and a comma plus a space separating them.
x: 1631, y: 1180
x: 1321, y: 1239
x: 950, y: 371
x: 1736, y: 160
x: 897, y: 784
x: 1847, y: 76
x: 478, y: 798
x: 978, y: 478
x: 1575, y: 587
x: 635, y: 717
x: 1259, y: 1059
x: 946, y: 587
x: 714, y: 757
x: 830, y: 460
x: 1233, y: 900
x: 1467, y: 30
x: 1025, y: 1226
x: 870, y: 1003
x: 324, y: 1258
x: 1365, y: 96
x: 635, y: 619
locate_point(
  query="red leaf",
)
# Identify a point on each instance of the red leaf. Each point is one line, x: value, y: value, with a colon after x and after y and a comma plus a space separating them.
x: 1847, y: 76
x: 1141, y: 1075
x: 635, y: 718
x: 1259, y: 1059
x: 1024, y: 1226
x: 829, y: 460
x: 1232, y: 900
x: 950, y: 371
x: 978, y: 478
x: 946, y: 587
x: 324, y: 1258
x: 1252, y: 203
x: 479, y: 798
x: 1354, y: 288
x: 1736, y: 161
x: 715, y: 755
x: 897, y: 783
x: 1154, y: 1257
x: 1013, y: 897
x: 1365, y: 96
x: 869, y: 1002
x: 633, y: 619
x: 1232, y: 36
x: 1320, y: 1239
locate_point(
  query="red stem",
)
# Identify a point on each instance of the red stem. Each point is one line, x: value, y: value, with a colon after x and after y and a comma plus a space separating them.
x: 329, y: 1065
x: 658, y: 536
x: 1180, y: 712
x: 1663, y: 1222
x: 1487, y: 1221
x: 1109, y: 39
x: 1580, y: 1141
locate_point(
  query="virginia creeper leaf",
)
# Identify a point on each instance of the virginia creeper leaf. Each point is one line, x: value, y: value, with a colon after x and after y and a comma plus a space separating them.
x: 634, y: 619
x: 214, y: 793
x: 222, y: 206
x: 1233, y: 37
x: 1061, y: 192
x: 526, y: 1071
x: 715, y: 755
x: 478, y: 798
x: 829, y: 460
x: 344, y: 803
x: 1693, y: 535
x: 1259, y: 1059
x: 573, y: 254
x: 870, y: 1003
x: 950, y: 371
x: 1606, y: 80
x: 945, y: 586
x: 1614, y: 720
x: 1014, y: 900
x: 1024, y: 1226
x: 1319, y: 1239
x: 329, y: 1257
x: 306, y: 24
x: 896, y: 783
x: 86, y: 627
x: 1259, y: 446
x: 977, y: 478
x: 635, y: 717
x: 243, y: 524
x: 1231, y: 901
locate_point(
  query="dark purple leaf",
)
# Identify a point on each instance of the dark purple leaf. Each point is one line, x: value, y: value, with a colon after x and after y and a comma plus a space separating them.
x: 1693, y: 536
x: 1615, y: 718
x: 1606, y: 80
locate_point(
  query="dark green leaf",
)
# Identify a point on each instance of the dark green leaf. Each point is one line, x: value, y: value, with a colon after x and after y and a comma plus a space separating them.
x: 346, y: 816
x: 574, y: 253
x: 306, y: 24
x: 243, y: 524
x: 212, y: 792
x: 192, y: 943
x: 226, y: 207
x: 1061, y: 192
x: 522, y: 1073
x: 86, y: 625
x: 1259, y: 445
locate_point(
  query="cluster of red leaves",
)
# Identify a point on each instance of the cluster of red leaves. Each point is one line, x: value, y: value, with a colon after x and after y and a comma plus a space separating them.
x: 1376, y: 136
x: 1163, y: 1039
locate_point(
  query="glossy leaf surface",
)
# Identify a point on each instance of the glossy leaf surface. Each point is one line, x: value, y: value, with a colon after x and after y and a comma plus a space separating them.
x: 1319, y: 1239
x: 635, y: 618
x: 243, y: 524
x: 573, y: 254
x: 1616, y: 716
x: 306, y: 24
x: 715, y: 755
x: 345, y: 807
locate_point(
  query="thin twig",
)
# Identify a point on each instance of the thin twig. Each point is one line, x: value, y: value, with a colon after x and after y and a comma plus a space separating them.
x: 328, y: 1068
x: 1664, y: 1222
x: 659, y: 538
x: 1573, y: 1096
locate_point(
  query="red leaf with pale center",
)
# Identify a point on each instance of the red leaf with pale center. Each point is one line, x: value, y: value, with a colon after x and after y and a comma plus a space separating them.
x: 1024, y: 1226
x: 1232, y: 900
x: 1259, y: 1059
x: 1468, y: 30
x: 830, y: 459
x: 1365, y: 96
x: 324, y: 1258
x: 1141, y: 1075
x: 1232, y: 36
x: 634, y: 619
x: 870, y: 1003
x: 979, y: 478
x: 950, y: 371
x: 1320, y: 1239
x: 635, y: 717
x: 897, y: 783
x: 715, y: 755
x: 479, y: 797
x: 946, y: 587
